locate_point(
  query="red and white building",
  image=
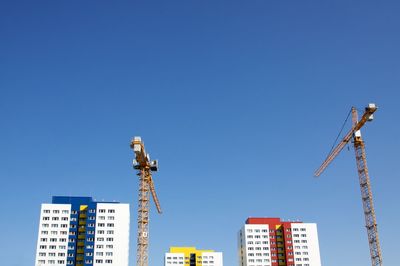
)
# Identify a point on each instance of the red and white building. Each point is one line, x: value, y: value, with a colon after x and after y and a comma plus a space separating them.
x: 272, y: 242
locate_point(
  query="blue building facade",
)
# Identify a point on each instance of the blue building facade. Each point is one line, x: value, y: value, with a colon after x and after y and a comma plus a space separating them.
x: 82, y: 228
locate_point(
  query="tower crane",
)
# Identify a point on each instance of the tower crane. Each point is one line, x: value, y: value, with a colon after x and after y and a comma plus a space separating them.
x: 145, y: 167
x: 364, y: 180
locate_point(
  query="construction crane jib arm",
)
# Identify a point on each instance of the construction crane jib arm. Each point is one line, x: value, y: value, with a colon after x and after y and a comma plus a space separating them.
x: 145, y: 167
x: 367, y: 116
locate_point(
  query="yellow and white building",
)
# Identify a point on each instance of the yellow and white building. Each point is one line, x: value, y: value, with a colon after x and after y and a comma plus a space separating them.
x: 190, y: 256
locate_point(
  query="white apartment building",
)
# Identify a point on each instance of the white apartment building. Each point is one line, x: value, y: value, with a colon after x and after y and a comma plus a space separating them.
x: 272, y: 242
x: 81, y: 232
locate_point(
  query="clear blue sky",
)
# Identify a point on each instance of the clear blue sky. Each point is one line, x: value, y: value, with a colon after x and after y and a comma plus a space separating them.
x: 239, y: 100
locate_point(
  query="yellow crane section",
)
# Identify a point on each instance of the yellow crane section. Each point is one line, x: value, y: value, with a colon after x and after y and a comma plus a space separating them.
x: 145, y: 167
x: 364, y: 180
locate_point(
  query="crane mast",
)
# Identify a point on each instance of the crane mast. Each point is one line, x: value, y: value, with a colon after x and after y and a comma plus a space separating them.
x: 366, y: 195
x: 364, y: 180
x: 145, y: 167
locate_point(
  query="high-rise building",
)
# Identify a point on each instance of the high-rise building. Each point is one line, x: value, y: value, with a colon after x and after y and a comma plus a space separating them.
x: 272, y: 242
x: 81, y: 232
x: 190, y: 256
